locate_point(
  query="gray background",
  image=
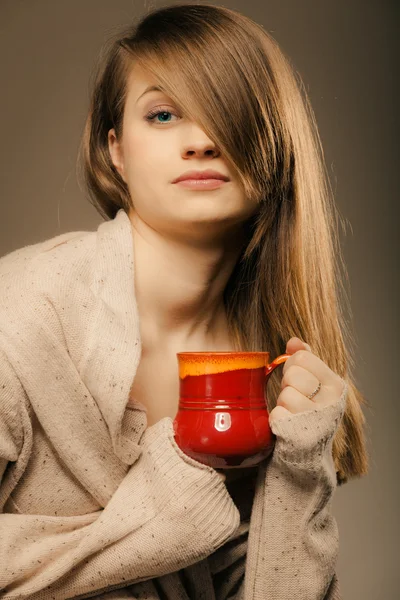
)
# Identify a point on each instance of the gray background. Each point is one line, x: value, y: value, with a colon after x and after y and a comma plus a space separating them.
x: 347, y: 53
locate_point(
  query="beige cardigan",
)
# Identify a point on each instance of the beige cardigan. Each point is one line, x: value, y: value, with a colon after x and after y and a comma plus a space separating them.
x: 93, y: 503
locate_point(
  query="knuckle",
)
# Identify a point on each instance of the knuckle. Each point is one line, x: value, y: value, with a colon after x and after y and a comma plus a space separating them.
x: 284, y: 397
x: 339, y: 384
x: 289, y: 376
x: 301, y: 356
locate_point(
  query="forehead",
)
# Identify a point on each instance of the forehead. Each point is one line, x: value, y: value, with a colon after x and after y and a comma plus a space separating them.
x: 139, y: 81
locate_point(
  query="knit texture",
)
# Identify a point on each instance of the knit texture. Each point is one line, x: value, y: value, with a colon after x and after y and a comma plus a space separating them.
x: 93, y: 502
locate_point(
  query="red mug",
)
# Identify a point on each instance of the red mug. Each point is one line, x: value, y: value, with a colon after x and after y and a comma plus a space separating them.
x: 222, y: 419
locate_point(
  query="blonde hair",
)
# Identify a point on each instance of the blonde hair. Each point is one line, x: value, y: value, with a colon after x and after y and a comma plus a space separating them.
x: 228, y: 74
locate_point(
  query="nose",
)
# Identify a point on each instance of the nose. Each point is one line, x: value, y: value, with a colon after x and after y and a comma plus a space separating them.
x: 200, y: 145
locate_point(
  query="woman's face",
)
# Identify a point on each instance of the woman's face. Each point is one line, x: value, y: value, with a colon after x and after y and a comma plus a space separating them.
x: 155, y: 150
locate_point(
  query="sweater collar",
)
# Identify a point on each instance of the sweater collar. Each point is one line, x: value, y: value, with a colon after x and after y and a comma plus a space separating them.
x: 112, y: 356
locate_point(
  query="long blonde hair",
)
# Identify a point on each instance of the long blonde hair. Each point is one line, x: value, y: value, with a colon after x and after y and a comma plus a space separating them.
x: 228, y: 74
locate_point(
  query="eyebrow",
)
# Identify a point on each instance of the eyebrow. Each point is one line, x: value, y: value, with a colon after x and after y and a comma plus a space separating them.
x: 151, y: 88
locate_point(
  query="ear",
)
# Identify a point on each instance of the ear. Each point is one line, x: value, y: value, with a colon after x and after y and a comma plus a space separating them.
x: 116, y: 154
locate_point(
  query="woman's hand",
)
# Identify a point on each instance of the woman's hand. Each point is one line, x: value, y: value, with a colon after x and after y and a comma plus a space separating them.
x: 229, y: 475
x: 302, y: 373
x: 221, y: 474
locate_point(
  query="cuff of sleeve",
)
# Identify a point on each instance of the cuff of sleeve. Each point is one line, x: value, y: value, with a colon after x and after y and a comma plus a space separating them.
x: 302, y: 438
x: 197, y: 488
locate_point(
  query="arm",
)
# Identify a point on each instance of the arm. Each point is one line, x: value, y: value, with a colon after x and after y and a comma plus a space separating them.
x: 134, y: 538
x: 334, y: 592
x: 293, y: 539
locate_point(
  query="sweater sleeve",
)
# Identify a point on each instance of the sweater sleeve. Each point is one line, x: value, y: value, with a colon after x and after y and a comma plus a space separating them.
x: 293, y: 541
x: 169, y: 511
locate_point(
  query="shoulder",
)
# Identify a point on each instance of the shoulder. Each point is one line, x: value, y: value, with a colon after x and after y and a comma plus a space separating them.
x: 58, y: 294
x: 39, y: 269
x: 36, y: 257
x: 43, y: 288
x: 41, y: 283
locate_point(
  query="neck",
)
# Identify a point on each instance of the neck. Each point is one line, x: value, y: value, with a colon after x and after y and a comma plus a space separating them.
x: 179, y: 289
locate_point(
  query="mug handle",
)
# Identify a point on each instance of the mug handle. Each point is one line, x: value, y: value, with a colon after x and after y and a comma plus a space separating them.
x: 277, y: 361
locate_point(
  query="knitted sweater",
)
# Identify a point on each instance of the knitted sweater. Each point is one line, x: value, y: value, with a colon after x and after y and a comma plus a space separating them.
x: 93, y: 502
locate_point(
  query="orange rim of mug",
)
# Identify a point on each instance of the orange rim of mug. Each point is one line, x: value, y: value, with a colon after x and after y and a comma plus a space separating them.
x: 204, y: 363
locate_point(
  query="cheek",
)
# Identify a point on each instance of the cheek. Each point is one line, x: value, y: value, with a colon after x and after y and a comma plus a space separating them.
x: 138, y: 154
x: 146, y: 174
x: 146, y: 151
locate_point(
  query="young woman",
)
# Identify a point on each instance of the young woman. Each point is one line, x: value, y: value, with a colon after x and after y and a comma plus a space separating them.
x: 97, y: 500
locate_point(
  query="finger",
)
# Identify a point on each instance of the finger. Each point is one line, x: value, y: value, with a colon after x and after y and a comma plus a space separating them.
x: 301, y: 379
x: 312, y: 363
x: 278, y: 413
x: 294, y: 401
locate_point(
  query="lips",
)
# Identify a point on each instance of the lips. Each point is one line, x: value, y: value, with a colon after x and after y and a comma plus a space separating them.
x: 208, y: 174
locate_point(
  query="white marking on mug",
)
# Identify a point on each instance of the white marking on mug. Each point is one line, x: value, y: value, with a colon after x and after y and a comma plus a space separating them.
x: 222, y: 421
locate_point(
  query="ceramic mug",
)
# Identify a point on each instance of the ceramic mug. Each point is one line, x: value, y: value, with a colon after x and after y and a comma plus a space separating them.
x: 222, y: 417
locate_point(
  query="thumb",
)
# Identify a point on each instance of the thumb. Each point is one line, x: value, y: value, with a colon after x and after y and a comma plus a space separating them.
x: 295, y: 344
x: 277, y: 413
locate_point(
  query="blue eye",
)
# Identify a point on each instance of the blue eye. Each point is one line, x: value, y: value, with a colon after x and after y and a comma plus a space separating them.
x: 156, y: 112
